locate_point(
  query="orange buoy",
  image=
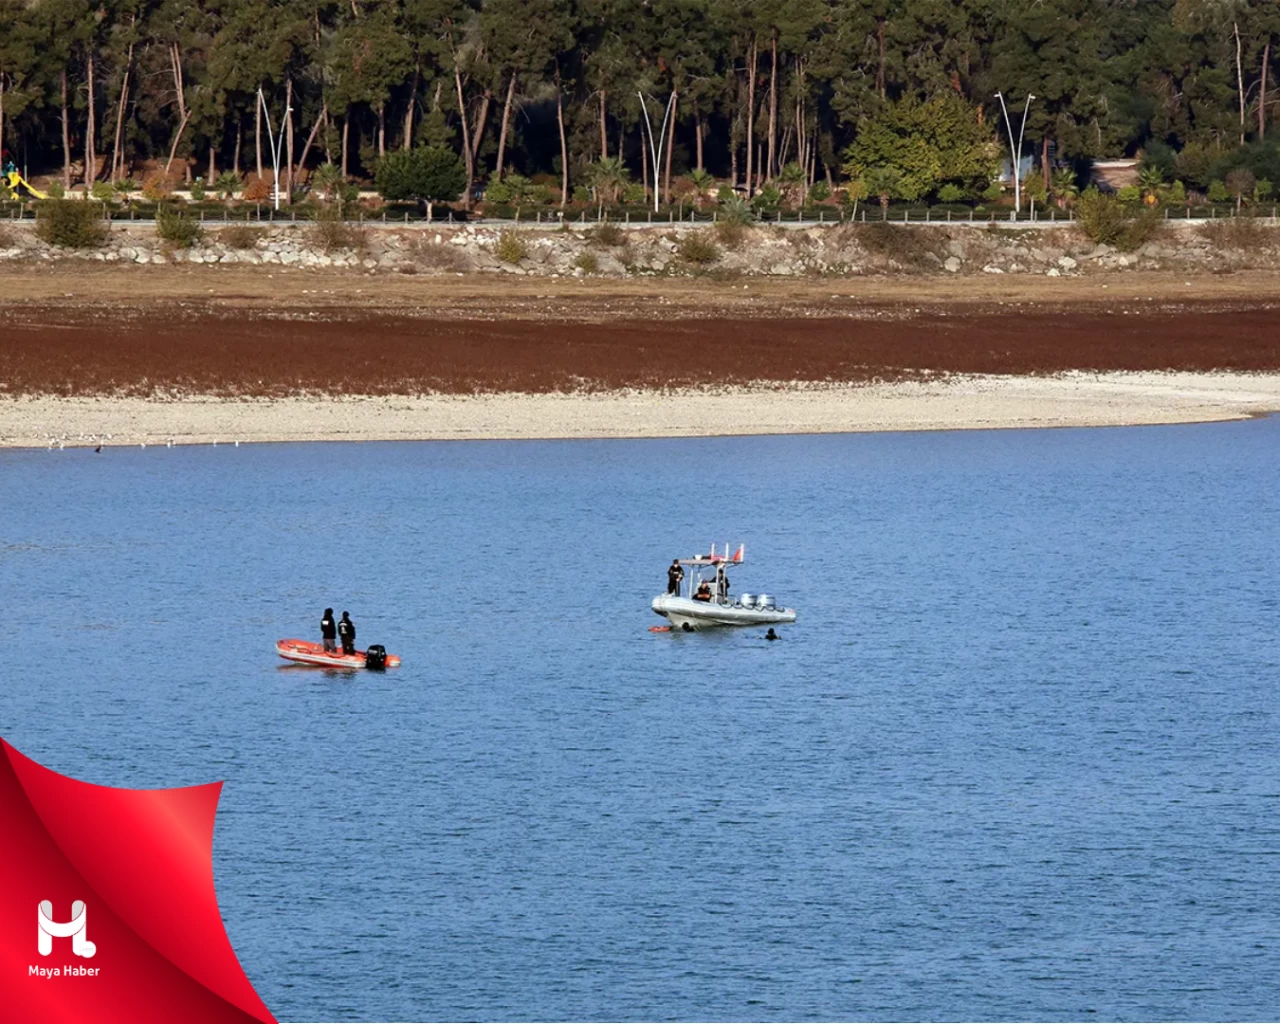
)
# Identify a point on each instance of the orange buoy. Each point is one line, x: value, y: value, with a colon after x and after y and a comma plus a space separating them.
x: 659, y: 629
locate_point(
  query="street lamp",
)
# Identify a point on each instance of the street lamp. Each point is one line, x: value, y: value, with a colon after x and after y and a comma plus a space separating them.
x: 1016, y: 149
x: 274, y: 145
x: 656, y: 149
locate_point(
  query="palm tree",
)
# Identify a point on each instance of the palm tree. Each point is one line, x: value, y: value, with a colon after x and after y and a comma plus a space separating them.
x: 702, y: 182
x: 328, y: 180
x: 607, y: 178
x: 1064, y: 187
x: 1150, y: 181
x: 791, y: 182
x: 884, y: 182
x: 227, y: 185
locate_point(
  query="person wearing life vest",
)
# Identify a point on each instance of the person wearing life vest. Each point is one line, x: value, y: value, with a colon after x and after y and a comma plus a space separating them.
x: 675, y: 576
x: 328, y: 631
x: 347, y: 633
x: 703, y: 593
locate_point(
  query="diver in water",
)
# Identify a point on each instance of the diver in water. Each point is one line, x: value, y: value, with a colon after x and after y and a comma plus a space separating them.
x: 771, y: 635
x: 675, y: 576
x: 328, y: 631
x: 347, y: 631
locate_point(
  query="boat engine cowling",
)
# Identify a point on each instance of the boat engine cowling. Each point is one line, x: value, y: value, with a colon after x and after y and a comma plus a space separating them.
x: 766, y: 603
x: 375, y: 657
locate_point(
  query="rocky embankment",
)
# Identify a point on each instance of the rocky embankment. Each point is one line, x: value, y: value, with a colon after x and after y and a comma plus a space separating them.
x: 616, y: 251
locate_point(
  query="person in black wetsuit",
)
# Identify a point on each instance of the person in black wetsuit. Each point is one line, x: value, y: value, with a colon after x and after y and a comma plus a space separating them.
x: 675, y: 576
x: 771, y: 635
x: 328, y: 630
x: 347, y: 631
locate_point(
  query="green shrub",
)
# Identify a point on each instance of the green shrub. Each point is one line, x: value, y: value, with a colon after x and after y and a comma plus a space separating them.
x: 767, y: 200
x: 70, y: 223
x: 993, y: 192
x: 1218, y: 191
x: 587, y: 263
x: 1129, y: 194
x: 1108, y: 220
x: 103, y: 192
x: 581, y: 194
x: 198, y: 191
x: 176, y: 227
x: 56, y: 191
x: 634, y: 194
x: 820, y: 192
x: 950, y: 193
x: 126, y: 185
x: 699, y: 248
x: 511, y: 247
x: 241, y: 236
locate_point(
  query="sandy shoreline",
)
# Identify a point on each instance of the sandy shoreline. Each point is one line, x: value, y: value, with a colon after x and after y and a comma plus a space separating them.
x: 962, y: 402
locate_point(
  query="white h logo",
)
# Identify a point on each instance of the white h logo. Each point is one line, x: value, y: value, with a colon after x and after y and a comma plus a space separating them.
x: 75, y: 928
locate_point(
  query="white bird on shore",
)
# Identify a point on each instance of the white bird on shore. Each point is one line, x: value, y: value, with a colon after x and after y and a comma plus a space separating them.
x: 237, y: 444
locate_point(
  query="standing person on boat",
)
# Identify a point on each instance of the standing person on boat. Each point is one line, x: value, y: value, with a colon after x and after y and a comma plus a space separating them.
x: 328, y: 631
x: 675, y: 576
x: 347, y: 631
x: 722, y: 583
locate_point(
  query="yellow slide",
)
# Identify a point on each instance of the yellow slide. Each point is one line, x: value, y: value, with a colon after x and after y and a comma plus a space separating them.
x: 13, y: 179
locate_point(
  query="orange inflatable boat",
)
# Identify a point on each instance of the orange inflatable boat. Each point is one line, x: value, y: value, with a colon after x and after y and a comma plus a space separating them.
x: 308, y: 653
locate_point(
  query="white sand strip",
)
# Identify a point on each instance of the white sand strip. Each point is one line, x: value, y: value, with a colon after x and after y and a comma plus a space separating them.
x: 954, y: 403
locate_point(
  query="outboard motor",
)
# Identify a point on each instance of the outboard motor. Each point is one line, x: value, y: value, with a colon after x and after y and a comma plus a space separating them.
x: 375, y: 657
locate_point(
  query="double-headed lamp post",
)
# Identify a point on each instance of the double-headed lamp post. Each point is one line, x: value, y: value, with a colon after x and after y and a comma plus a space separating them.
x: 1016, y: 148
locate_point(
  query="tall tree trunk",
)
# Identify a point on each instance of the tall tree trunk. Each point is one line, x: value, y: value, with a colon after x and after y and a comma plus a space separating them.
x: 506, y: 121
x: 751, y: 118
x: 66, y: 136
x: 235, y: 156
x: 117, y: 154
x: 698, y: 137
x: 564, y: 141
x: 177, y: 137
x: 770, y: 168
x: 288, y: 135
x: 671, y: 144
x: 321, y: 118
x: 644, y: 163
x: 880, y: 75
x: 1046, y: 174
x: 1235, y: 27
x: 759, y: 165
x: 180, y: 92
x: 466, y: 141
x: 382, y: 128
x: 407, y: 142
x: 1262, y: 92
x: 482, y: 119
x: 212, y: 175
x: 257, y: 134
x: 90, y: 136
x: 604, y: 126
x: 346, y: 123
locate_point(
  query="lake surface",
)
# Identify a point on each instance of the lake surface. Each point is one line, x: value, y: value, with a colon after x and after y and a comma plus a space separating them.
x: 1019, y: 758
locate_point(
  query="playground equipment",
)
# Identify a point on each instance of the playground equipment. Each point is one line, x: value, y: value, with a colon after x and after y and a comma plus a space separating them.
x: 12, y: 179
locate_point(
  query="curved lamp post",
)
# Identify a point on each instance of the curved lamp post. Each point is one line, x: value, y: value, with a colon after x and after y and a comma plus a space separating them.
x: 1016, y: 149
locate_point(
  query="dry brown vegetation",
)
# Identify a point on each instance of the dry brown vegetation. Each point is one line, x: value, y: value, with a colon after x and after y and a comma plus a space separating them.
x: 241, y: 236
x: 184, y: 348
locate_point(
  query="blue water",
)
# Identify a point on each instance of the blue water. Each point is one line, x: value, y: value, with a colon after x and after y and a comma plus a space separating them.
x: 1018, y: 759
